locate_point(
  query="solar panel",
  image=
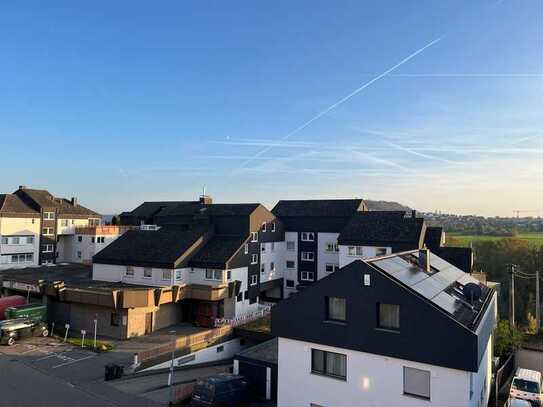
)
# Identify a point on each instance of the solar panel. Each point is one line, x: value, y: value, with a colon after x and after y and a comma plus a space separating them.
x: 430, y: 287
x: 447, y: 302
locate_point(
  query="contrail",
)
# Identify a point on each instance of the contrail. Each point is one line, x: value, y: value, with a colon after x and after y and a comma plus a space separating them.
x: 342, y: 100
x: 430, y: 157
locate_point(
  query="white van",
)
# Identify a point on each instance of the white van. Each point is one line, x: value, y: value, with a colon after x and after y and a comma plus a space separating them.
x: 526, y: 385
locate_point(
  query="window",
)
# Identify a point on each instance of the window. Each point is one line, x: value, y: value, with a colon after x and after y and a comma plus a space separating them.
x: 329, y: 364
x: 22, y: 258
x: 167, y: 275
x: 330, y: 267
x: 29, y: 257
x: 147, y: 272
x: 94, y: 222
x: 254, y: 279
x: 359, y: 251
x: 129, y: 271
x: 93, y: 239
x: 78, y: 254
x: 308, y: 256
x: 228, y: 274
x: 15, y: 240
x: 307, y: 276
x: 380, y: 251
x: 351, y: 250
x: 100, y: 239
x: 5, y: 240
x: 47, y: 231
x: 291, y: 246
x: 389, y: 316
x: 49, y: 261
x: 308, y: 237
x: 64, y: 222
x: 246, y: 249
x: 220, y: 348
x: 79, y: 238
x: 48, y: 215
x: 254, y: 236
x: 336, y: 309
x: 272, y: 266
x: 416, y: 382
x: 272, y: 246
x: 263, y: 268
x: 47, y: 248
x: 264, y: 227
x: 263, y: 247
x: 332, y: 247
x: 178, y: 275
x: 273, y: 227
x: 290, y: 283
x: 253, y: 300
x: 213, y: 274
x: 115, y: 319
x: 239, y: 297
x: 291, y: 264
x: 30, y: 240
x: 254, y: 258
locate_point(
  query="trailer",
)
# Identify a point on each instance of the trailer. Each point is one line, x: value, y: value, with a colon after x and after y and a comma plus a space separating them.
x: 36, y: 312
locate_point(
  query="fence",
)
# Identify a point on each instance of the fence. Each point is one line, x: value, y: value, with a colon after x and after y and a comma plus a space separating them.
x: 233, y: 322
x: 502, y: 376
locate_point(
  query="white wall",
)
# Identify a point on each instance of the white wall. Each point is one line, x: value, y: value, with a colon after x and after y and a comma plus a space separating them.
x: 372, y: 381
x: 114, y: 273
x: 229, y: 349
x: 19, y: 227
x: 367, y: 252
x: 325, y: 257
x: 72, y: 224
x: 277, y: 256
x: 241, y: 308
x: 69, y: 246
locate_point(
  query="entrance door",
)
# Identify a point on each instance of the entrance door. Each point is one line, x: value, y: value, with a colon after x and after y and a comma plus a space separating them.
x: 148, y: 323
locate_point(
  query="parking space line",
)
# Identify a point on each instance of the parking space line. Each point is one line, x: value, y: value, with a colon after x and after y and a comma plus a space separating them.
x: 73, y: 361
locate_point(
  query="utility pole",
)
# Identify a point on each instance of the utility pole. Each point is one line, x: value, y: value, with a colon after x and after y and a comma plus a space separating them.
x: 537, y: 306
x: 512, y: 297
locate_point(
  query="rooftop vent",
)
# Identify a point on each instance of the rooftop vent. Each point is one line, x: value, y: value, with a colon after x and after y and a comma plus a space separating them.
x: 21, y: 187
x: 74, y: 201
x: 424, y: 259
x: 472, y: 292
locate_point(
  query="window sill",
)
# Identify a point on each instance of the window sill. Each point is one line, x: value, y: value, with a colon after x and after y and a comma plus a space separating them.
x: 388, y: 330
x: 334, y: 322
x: 341, y: 379
x: 416, y: 397
x: 129, y: 276
x: 147, y: 278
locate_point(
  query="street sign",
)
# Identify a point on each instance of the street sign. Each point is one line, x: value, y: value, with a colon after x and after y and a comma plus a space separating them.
x: 83, y: 332
x: 67, y: 326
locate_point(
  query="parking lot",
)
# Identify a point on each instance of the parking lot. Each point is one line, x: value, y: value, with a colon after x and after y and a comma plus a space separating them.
x: 46, y: 353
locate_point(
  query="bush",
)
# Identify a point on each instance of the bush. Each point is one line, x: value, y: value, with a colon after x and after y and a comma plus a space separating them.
x: 507, y: 340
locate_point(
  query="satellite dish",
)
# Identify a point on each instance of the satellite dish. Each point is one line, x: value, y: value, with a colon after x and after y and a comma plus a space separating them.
x: 472, y: 292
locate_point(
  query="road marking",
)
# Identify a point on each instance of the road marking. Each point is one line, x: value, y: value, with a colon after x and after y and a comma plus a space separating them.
x: 72, y: 361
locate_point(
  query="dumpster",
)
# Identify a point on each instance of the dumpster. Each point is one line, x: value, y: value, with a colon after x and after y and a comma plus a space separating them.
x: 36, y: 312
x: 10, y: 301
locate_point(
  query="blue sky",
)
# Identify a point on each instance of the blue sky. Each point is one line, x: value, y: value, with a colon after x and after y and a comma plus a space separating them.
x: 125, y: 101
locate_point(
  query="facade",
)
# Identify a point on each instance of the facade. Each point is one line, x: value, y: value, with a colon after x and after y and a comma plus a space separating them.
x: 19, y: 233
x: 406, y: 329
x: 312, y: 229
x: 57, y: 218
x: 227, y: 255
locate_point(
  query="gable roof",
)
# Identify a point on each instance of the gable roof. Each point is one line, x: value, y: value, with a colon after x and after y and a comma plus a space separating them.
x: 147, y: 209
x: 434, y: 235
x: 161, y: 248
x: 367, y: 228
x: 44, y: 199
x: 318, y: 207
x: 217, y: 252
x: 13, y: 205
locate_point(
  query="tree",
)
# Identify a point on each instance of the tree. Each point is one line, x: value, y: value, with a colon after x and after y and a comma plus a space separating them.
x: 507, y: 339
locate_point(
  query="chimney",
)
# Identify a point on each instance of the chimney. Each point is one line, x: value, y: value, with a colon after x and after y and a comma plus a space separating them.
x: 424, y: 259
x: 413, y: 213
x: 206, y: 200
x: 21, y: 187
x: 74, y: 201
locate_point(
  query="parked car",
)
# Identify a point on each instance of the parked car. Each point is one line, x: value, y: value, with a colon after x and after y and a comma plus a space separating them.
x: 12, y: 330
x: 526, y: 385
x: 222, y: 390
x: 518, y: 403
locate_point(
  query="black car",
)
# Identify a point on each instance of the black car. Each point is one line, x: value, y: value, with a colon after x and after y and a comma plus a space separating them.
x: 222, y: 390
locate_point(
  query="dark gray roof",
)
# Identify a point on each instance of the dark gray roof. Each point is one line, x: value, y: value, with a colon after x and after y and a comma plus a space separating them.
x: 461, y: 257
x: 217, y: 251
x: 161, y: 248
x: 264, y: 352
x: 443, y: 285
x: 147, y: 209
x: 12, y: 205
x: 318, y: 207
x: 382, y: 227
x: 44, y: 199
x: 432, y: 240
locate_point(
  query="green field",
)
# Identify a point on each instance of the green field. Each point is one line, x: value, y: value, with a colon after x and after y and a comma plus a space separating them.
x: 535, y: 239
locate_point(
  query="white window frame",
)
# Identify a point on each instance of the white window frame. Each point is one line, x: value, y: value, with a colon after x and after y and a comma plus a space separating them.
x: 293, y: 244
x: 254, y: 237
x: 332, y: 247
x: 254, y: 258
x: 421, y: 372
x: 263, y: 247
x: 64, y: 223
x: 351, y: 251
x: 166, y: 275
x: 264, y: 227
x: 5, y: 240
x: 30, y: 240
x: 178, y: 275
x: 213, y: 274
x: 147, y: 270
x: 308, y: 256
x: 48, y: 248
x: 48, y: 215
x: 382, y: 249
x: 335, y: 267
x: 305, y: 276
x: 272, y: 266
x: 308, y: 236
x: 48, y: 232
x: 273, y: 229
x: 254, y: 280
x: 293, y: 264
x: 246, y: 248
x: 129, y: 271
x: 15, y: 240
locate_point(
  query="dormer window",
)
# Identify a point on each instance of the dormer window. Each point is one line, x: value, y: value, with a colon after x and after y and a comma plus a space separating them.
x: 273, y: 227
x: 254, y: 236
x: 308, y: 237
x: 264, y: 227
